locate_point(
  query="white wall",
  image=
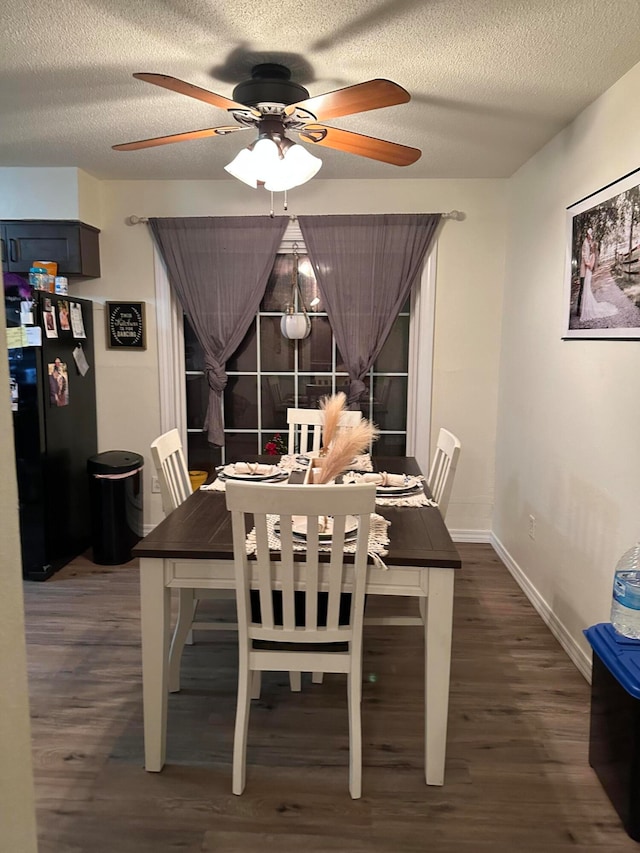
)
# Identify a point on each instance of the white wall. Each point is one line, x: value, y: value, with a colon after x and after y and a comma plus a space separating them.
x: 468, y: 307
x: 38, y: 193
x: 567, y: 442
x: 17, y: 815
x: 89, y: 199
x: 468, y: 298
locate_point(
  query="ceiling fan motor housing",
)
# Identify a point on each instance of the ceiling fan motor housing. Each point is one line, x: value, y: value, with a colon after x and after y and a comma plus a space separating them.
x: 269, y: 83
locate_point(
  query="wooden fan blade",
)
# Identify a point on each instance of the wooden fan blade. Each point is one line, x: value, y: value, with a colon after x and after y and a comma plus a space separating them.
x: 177, y: 137
x: 190, y: 90
x: 357, y: 143
x: 371, y: 95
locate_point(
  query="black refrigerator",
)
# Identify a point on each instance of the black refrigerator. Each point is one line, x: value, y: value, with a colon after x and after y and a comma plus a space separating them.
x: 53, y: 398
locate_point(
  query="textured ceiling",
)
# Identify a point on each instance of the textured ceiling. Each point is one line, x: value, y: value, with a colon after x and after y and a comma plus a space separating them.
x: 490, y: 80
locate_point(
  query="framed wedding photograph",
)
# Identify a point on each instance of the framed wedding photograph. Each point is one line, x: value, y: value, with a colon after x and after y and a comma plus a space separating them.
x: 602, y: 278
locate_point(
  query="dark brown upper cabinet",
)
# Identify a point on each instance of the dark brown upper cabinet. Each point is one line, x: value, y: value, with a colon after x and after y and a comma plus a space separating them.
x: 73, y: 245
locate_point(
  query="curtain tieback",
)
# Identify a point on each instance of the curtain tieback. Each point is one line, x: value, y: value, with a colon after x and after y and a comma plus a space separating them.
x: 216, y: 377
x: 356, y: 390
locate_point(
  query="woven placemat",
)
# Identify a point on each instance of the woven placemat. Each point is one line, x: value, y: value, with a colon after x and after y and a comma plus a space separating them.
x: 377, y: 547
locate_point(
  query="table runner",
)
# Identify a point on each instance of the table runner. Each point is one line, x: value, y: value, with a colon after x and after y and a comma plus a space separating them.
x: 291, y: 463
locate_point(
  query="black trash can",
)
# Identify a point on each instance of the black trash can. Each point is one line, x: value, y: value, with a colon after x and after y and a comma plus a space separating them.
x: 115, y: 492
x: 614, y: 738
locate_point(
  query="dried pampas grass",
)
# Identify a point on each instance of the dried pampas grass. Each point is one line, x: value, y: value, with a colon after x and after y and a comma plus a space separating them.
x: 332, y: 407
x: 347, y: 443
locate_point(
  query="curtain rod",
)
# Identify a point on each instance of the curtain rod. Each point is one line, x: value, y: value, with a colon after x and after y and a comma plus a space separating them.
x: 458, y: 215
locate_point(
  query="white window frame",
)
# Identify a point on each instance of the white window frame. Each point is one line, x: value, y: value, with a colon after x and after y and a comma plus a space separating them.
x: 171, y: 362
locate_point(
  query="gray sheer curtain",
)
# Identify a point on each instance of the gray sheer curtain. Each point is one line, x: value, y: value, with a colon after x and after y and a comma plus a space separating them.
x: 219, y: 268
x: 365, y: 266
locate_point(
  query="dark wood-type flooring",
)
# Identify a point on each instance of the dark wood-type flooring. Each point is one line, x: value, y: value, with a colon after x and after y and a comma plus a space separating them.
x: 517, y: 774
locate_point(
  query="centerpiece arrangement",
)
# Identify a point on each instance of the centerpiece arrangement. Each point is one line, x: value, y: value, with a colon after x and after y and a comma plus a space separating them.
x: 340, y: 446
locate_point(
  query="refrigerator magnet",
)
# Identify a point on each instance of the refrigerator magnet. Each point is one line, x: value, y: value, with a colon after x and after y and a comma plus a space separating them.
x: 77, y: 323
x: 58, y: 383
x: 81, y: 360
x: 63, y: 315
x: 49, y: 322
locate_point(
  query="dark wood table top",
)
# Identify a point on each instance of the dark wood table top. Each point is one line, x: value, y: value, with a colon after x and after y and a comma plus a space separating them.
x: 200, y: 528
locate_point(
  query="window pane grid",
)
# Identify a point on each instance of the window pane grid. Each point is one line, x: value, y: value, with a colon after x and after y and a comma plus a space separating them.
x: 301, y: 385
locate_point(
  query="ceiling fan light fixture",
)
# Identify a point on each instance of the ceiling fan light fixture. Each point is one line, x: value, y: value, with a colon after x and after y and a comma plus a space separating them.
x: 297, y: 167
x: 275, y: 161
x: 243, y: 168
x: 273, y: 103
x: 266, y: 156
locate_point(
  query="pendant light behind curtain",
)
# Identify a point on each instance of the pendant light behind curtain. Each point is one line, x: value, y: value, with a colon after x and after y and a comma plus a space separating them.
x: 295, y: 325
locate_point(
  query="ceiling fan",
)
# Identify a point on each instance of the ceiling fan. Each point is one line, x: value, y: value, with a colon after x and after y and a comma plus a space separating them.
x: 274, y: 104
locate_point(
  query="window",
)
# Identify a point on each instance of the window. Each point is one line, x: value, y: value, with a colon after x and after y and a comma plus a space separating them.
x: 176, y: 352
x: 269, y: 373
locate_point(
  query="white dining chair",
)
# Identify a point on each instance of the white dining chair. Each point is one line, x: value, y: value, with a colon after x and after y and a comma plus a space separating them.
x: 175, y: 487
x: 308, y: 424
x: 443, y: 469
x: 299, y: 508
x: 440, y: 483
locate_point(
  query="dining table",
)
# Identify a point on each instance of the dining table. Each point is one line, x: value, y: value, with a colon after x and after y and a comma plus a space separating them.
x: 193, y: 548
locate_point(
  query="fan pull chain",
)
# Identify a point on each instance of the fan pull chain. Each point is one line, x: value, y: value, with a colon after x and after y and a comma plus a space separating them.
x: 285, y: 205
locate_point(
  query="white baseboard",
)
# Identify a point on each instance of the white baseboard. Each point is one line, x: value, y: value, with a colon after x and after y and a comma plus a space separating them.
x: 557, y: 628
x: 483, y: 536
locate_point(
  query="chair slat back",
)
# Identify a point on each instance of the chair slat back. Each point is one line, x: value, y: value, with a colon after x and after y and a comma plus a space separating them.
x: 297, y: 506
x: 443, y: 469
x: 308, y: 424
x: 171, y: 468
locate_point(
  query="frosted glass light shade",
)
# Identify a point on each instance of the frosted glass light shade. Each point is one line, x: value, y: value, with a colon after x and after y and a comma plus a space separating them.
x: 302, y: 164
x: 242, y: 167
x: 266, y: 156
x: 295, y: 326
x: 297, y: 167
x: 280, y: 168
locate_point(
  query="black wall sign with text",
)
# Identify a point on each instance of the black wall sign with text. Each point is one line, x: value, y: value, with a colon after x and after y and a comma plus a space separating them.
x: 125, y: 325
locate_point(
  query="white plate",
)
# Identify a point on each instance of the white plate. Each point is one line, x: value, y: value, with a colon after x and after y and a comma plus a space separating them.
x: 229, y: 473
x: 396, y: 491
x: 411, y: 485
x: 277, y: 478
x: 299, y: 527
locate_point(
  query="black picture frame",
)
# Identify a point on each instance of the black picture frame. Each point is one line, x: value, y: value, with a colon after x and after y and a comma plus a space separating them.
x: 610, y: 219
x: 126, y: 328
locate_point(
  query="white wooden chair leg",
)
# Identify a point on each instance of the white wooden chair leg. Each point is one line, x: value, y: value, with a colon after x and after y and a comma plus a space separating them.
x: 295, y: 682
x: 190, y: 641
x: 354, y: 697
x: 256, y: 684
x: 242, y: 725
x: 317, y: 677
x: 186, y: 606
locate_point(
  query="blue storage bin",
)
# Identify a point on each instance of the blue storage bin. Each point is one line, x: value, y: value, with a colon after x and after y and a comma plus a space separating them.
x: 614, y: 737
